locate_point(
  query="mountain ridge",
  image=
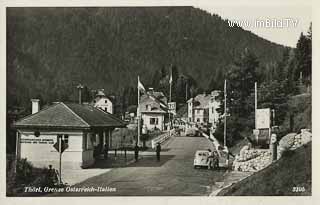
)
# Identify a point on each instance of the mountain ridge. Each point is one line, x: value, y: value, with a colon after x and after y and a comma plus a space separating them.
x: 51, y: 50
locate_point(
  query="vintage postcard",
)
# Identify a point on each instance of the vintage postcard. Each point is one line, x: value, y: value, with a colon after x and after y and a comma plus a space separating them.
x: 185, y: 99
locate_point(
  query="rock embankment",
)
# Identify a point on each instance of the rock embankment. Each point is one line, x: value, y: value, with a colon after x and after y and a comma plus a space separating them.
x: 251, y: 160
x: 293, y: 141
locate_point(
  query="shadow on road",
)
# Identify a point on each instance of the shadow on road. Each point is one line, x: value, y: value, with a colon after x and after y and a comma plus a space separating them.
x: 151, y: 161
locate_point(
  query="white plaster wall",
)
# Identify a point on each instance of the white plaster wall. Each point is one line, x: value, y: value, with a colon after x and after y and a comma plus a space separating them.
x: 101, y: 103
x: 214, y: 116
x: 146, y: 121
x: 44, y: 154
x: 199, y: 114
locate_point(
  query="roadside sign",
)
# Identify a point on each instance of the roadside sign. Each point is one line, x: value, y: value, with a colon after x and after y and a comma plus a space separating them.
x: 64, y: 146
x: 273, y: 138
x: 263, y: 118
x: 172, y: 107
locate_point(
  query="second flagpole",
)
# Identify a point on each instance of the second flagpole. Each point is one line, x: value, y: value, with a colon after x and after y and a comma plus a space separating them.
x: 138, y: 113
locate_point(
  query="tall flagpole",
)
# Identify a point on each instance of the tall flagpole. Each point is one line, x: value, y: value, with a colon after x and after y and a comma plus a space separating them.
x: 138, y: 109
x: 225, y: 114
x: 170, y: 81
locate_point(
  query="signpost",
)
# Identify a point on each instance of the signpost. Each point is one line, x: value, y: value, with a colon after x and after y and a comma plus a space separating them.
x: 172, y: 107
x: 60, y: 146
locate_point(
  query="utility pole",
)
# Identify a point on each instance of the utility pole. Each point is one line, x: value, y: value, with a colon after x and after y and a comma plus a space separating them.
x: 186, y: 91
x: 138, y: 113
x: 170, y: 81
x: 255, y: 103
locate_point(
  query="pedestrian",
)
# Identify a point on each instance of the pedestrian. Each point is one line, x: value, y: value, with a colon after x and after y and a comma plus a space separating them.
x: 136, y: 152
x: 51, y: 177
x: 216, y: 159
x: 106, y: 150
x: 158, y: 150
x: 210, y: 159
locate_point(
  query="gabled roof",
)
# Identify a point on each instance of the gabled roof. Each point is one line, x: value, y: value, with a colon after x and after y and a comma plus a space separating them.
x: 156, y: 105
x: 70, y: 116
x: 201, y: 101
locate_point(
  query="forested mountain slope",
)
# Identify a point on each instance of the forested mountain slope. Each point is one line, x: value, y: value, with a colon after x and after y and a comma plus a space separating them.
x: 51, y: 50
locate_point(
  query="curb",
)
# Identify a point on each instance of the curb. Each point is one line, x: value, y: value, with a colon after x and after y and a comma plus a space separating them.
x: 216, y: 192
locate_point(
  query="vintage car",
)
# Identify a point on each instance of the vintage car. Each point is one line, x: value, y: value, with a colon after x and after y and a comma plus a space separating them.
x: 201, y: 159
x: 192, y: 132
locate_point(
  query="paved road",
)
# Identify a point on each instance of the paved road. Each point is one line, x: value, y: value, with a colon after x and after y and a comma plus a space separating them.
x: 174, y: 175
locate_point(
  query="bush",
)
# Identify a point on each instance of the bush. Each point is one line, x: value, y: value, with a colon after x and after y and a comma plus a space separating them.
x: 27, y: 175
x: 23, y: 171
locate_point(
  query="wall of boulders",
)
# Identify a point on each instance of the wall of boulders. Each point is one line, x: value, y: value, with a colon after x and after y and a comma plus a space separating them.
x: 293, y: 141
x: 252, y: 160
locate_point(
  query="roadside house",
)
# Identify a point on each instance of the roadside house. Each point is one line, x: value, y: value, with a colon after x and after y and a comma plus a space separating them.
x: 202, y: 109
x: 103, y: 102
x: 214, y: 104
x: 84, y: 128
x: 153, y: 108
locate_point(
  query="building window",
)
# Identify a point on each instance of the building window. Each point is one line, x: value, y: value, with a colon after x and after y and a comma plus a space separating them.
x: 198, y: 119
x: 64, y: 137
x: 153, y: 121
x: 106, y: 101
x: 106, y: 109
x: 212, y: 110
x: 94, y: 101
x: 198, y: 111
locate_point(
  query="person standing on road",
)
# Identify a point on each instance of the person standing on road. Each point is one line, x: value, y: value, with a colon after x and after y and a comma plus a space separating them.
x: 210, y: 159
x: 51, y: 177
x: 136, y: 152
x: 158, y: 150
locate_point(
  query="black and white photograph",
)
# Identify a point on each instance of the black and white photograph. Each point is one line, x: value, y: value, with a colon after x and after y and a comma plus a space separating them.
x: 210, y: 100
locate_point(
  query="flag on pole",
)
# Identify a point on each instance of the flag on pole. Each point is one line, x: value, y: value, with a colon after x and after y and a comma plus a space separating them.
x: 140, y: 86
x: 170, y: 80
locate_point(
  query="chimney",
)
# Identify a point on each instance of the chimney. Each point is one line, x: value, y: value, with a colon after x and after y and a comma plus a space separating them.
x: 80, y: 87
x: 35, y: 105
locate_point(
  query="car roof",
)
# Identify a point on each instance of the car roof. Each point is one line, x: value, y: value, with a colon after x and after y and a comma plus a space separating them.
x: 199, y: 151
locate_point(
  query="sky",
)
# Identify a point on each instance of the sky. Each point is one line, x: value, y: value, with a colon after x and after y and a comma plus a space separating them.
x: 295, y: 11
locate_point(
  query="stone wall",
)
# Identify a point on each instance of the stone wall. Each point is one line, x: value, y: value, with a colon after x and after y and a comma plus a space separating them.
x: 252, y: 160
x: 293, y: 141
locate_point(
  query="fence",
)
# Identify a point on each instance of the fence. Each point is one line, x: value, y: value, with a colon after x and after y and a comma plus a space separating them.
x: 162, y: 138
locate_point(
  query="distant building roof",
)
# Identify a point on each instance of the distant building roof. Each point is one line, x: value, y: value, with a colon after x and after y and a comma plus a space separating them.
x: 100, y: 93
x: 70, y: 116
x: 201, y: 101
x: 156, y: 105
